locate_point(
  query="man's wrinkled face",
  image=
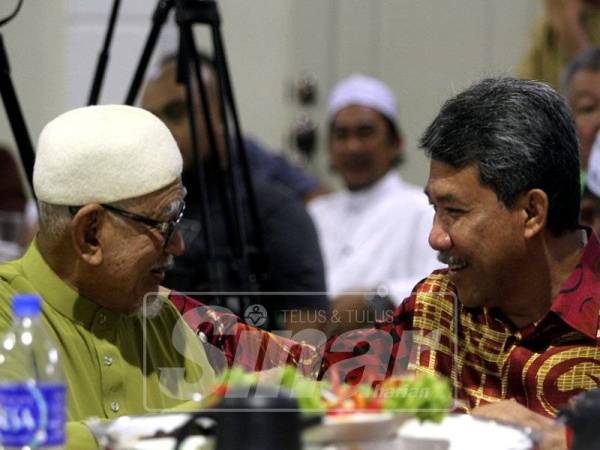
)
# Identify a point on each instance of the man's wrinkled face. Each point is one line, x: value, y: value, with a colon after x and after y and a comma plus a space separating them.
x: 361, y: 148
x: 476, y: 235
x: 166, y: 99
x: 136, y: 256
x: 584, y: 100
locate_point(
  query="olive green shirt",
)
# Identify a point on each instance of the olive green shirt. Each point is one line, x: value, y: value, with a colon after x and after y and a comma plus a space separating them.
x: 114, y: 364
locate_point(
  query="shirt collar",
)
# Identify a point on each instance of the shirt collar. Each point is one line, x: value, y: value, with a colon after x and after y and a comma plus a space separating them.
x: 578, y: 302
x: 386, y: 185
x: 55, y: 292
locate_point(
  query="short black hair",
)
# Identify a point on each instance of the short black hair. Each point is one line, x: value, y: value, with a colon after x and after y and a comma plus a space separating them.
x: 520, y: 135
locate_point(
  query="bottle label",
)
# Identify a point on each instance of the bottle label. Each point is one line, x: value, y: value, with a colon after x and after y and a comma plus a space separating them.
x: 32, y: 415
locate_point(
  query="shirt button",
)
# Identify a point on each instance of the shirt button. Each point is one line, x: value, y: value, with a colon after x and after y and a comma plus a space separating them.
x: 108, y: 360
x: 102, y: 319
x: 115, y: 406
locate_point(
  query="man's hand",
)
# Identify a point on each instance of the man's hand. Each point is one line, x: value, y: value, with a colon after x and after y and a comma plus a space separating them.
x: 509, y: 411
x: 351, y: 311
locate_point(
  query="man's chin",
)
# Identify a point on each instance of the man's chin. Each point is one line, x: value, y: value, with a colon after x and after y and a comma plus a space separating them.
x: 468, y: 299
x: 151, y: 288
x: 149, y: 307
x: 469, y: 303
x: 151, y: 293
x: 358, y: 184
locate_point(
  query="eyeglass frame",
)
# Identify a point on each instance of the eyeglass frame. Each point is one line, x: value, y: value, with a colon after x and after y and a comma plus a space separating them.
x: 166, y: 228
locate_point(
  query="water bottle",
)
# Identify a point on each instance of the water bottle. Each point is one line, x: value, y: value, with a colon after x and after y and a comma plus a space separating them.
x: 32, y: 386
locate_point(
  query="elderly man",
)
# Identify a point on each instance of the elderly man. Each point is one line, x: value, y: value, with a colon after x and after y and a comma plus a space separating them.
x: 108, y: 183
x: 290, y: 241
x: 513, y: 321
x: 385, y: 221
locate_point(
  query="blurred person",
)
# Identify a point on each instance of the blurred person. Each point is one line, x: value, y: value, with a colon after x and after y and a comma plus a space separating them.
x: 265, y: 164
x: 108, y: 184
x: 18, y: 214
x: 291, y: 243
x: 581, y: 86
x: 373, y: 233
x: 567, y: 28
x: 13, y: 196
x: 590, y: 202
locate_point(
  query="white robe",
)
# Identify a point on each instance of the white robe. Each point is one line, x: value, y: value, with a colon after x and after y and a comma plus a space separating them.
x: 375, y: 238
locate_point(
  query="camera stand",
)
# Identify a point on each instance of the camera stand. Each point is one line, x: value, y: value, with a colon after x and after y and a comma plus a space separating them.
x: 247, y: 258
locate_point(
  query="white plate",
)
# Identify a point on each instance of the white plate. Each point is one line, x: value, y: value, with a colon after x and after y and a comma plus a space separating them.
x: 359, y: 427
x: 126, y: 431
x: 191, y: 443
x: 464, y: 432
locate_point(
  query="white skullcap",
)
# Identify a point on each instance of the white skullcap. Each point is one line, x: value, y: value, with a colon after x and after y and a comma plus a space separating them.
x: 362, y: 91
x: 593, y: 175
x: 103, y: 154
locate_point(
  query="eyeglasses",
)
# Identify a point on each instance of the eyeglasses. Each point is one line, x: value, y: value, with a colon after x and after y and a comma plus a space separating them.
x: 165, y: 228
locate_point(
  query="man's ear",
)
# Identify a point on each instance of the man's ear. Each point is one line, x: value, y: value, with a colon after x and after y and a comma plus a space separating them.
x: 534, y: 204
x: 85, y: 228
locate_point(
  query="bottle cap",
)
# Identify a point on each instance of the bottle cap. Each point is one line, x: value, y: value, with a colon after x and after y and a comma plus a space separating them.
x: 26, y: 305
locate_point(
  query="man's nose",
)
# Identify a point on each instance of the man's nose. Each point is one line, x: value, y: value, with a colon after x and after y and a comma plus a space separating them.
x: 353, y: 143
x: 176, y: 245
x: 439, y: 239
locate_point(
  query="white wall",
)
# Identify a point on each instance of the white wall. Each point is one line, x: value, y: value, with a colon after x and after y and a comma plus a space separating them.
x: 35, y: 43
x: 258, y: 36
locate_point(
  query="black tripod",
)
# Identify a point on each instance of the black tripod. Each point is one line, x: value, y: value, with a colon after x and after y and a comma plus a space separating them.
x: 13, y: 110
x: 247, y: 259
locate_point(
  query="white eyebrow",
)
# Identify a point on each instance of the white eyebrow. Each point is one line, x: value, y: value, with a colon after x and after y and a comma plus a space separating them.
x: 172, y: 207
